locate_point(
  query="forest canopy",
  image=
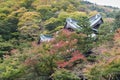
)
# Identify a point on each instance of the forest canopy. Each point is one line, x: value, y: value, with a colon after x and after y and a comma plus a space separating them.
x: 71, y: 55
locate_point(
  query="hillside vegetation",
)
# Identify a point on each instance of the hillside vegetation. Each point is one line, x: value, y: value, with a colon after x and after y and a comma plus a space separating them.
x: 71, y: 55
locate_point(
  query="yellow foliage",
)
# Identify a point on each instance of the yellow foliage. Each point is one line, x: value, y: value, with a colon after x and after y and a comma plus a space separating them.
x: 51, y: 20
x: 2, y: 16
x: 71, y: 8
x: 63, y: 15
x: 18, y: 13
x: 75, y: 15
x: 28, y: 17
x: 78, y: 14
x: 43, y: 7
x: 42, y: 2
x: 93, y: 13
x: 29, y: 23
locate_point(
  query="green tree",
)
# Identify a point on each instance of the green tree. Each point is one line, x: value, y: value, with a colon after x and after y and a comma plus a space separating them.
x: 117, y: 21
x: 62, y: 74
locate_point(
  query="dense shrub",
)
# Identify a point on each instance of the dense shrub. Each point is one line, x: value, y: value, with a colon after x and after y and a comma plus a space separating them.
x: 62, y: 74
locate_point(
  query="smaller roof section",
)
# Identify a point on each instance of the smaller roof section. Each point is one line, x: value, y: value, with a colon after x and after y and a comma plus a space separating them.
x: 44, y: 38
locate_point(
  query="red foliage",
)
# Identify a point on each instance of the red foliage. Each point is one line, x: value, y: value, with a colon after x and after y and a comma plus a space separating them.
x: 76, y: 55
x: 62, y: 64
x: 60, y: 44
x: 66, y: 32
x: 32, y: 61
x: 13, y: 51
x: 65, y: 44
